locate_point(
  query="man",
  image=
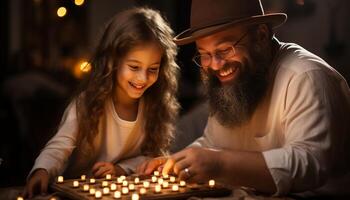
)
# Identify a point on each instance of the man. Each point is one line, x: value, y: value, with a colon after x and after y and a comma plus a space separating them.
x: 278, y: 113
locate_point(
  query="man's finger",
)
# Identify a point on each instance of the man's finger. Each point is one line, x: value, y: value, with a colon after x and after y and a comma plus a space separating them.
x: 97, y: 166
x: 43, y: 186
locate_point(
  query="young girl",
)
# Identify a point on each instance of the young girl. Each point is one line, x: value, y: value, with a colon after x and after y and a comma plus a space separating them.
x: 126, y: 108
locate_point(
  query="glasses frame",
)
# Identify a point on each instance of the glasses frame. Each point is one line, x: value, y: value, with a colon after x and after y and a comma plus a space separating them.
x: 196, y: 59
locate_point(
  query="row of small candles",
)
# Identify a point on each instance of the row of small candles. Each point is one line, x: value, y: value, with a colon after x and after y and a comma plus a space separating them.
x: 126, y: 186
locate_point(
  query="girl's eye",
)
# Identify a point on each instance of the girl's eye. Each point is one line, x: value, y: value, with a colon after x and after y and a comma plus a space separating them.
x: 133, y: 68
x: 153, y: 69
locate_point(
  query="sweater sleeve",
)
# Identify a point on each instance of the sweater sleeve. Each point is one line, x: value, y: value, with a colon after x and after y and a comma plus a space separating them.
x: 302, y: 163
x: 55, y: 154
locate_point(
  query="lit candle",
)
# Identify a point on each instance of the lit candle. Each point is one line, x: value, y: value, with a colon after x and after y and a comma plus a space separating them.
x: 108, y: 177
x: 143, y: 190
x: 135, y: 196
x: 85, y: 188
x: 119, y: 180
x: 160, y: 181
x: 125, y: 190
x: 123, y: 177
x: 92, y: 180
x: 182, y: 183
x: 154, y: 179
x: 165, y: 184
x: 92, y: 191
x: 113, y: 186
x: 104, y: 183
x: 131, y: 187
x: 165, y: 176
x: 125, y: 183
x: 137, y: 180
x: 83, y: 177
x: 172, y: 179
x: 52, y: 198
x: 75, y: 184
x: 156, y: 173
x: 98, y: 194
x: 60, y: 179
x: 105, y: 190
x: 175, y: 188
x: 211, y: 183
x: 20, y: 198
x: 157, y: 188
x: 146, y: 184
x: 117, y: 195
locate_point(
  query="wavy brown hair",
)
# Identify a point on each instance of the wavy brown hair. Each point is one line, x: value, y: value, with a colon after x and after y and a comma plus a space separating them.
x: 123, y: 32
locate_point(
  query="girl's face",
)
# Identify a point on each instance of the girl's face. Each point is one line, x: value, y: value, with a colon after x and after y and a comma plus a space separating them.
x: 138, y: 70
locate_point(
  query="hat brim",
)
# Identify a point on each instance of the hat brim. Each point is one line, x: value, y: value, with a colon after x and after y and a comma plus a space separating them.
x: 189, y: 36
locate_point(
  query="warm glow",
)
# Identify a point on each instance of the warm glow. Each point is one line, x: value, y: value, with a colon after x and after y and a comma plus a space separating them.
x: 131, y: 187
x: 125, y: 183
x: 113, y: 186
x: 211, y: 183
x: 125, y: 190
x: 104, y: 183
x: 83, y: 177
x: 154, y: 179
x: 175, y: 188
x: 172, y: 179
x: 165, y: 184
x: 137, y: 180
x: 182, y: 183
x: 61, y: 11
x: 117, y: 195
x: 106, y: 190
x: 156, y: 173
x: 78, y: 2
x: 135, y: 196
x: 86, y: 188
x: 86, y: 67
x: 92, y: 180
x: 146, y: 184
x: 98, y: 194
x: 60, y: 179
x: 143, y: 191
x: 75, y: 184
x: 157, y: 188
x: 92, y: 191
x: 20, y: 198
x: 160, y: 181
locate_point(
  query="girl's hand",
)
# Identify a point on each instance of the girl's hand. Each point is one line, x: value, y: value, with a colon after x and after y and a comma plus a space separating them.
x: 37, y: 183
x: 150, y: 165
x: 101, y: 169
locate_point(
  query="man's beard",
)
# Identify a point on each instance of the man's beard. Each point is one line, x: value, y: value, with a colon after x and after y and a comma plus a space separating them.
x: 234, y: 103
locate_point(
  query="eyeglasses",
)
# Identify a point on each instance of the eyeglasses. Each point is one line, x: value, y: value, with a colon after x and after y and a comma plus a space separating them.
x: 204, y: 60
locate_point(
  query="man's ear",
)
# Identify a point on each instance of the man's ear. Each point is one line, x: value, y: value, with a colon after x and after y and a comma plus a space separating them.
x: 263, y: 33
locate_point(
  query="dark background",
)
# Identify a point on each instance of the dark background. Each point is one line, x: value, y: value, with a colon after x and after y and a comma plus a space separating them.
x: 41, y: 53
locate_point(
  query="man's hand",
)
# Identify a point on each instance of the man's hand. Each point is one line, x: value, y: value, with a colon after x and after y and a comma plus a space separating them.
x: 37, y: 183
x: 151, y: 165
x: 101, y: 169
x: 194, y: 164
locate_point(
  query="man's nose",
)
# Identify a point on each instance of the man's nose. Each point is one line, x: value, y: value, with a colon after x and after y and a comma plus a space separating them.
x: 216, y: 63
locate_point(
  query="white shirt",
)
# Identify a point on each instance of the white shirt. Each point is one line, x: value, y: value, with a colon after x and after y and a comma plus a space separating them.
x: 118, y: 141
x: 302, y: 128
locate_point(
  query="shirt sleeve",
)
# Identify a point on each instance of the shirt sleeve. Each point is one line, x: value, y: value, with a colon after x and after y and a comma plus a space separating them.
x: 56, y: 152
x: 130, y: 165
x: 303, y: 162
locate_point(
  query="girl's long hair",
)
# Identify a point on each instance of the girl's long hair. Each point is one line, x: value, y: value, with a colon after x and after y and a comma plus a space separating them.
x: 123, y: 32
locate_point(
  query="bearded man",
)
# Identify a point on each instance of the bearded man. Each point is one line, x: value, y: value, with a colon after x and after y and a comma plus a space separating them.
x: 278, y: 113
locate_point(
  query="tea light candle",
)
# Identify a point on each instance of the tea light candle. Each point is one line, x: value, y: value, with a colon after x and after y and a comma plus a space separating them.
x: 123, y: 177
x: 86, y: 188
x: 211, y: 183
x: 92, y: 191
x: 105, y: 190
x: 175, y: 188
x: 165, y: 184
x: 75, y: 184
x: 160, y: 181
x: 113, y: 186
x: 98, y: 194
x: 20, y: 198
x: 156, y: 173
x: 104, y: 183
x: 157, y: 188
x: 143, y: 190
x: 172, y: 179
x: 52, y: 198
x: 83, y: 177
x: 131, y: 187
x: 165, y: 176
x: 119, y: 180
x: 135, y: 196
x: 154, y: 179
x: 182, y: 183
x: 125, y: 190
x: 92, y: 180
x: 60, y: 179
x: 125, y: 183
x: 117, y: 195
x: 137, y: 180
x: 108, y: 177
x: 146, y: 184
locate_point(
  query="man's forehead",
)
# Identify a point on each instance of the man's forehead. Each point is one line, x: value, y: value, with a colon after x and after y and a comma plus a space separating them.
x: 228, y: 35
